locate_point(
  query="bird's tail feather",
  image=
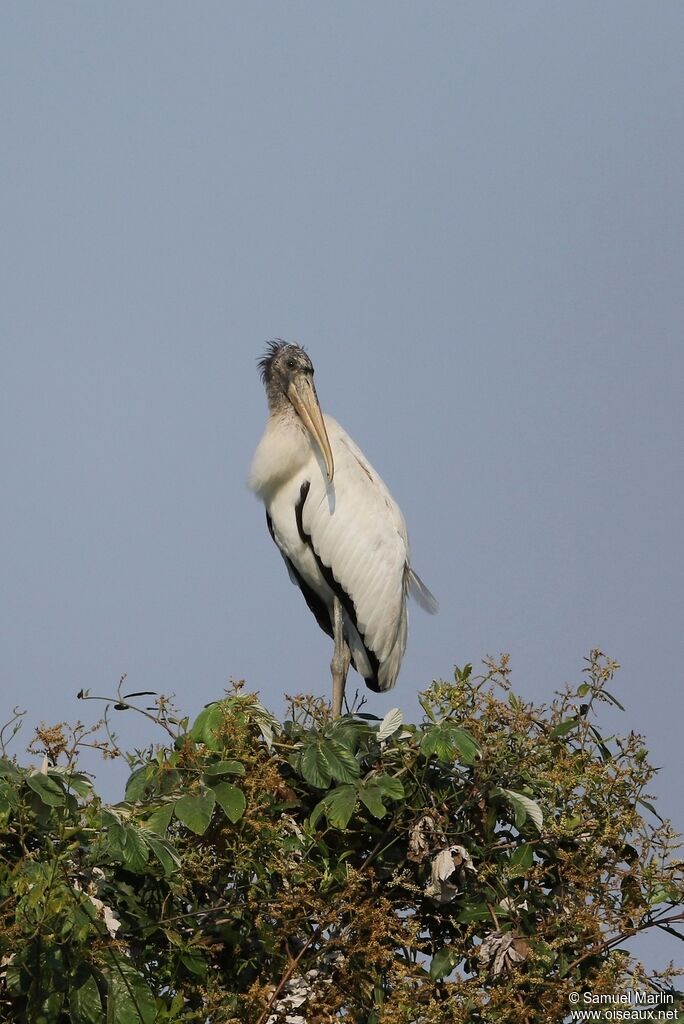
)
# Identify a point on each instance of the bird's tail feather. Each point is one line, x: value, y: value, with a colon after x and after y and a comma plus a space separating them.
x: 421, y: 594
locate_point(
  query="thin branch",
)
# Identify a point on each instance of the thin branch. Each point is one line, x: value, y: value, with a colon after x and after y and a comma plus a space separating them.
x: 287, y: 974
x: 627, y: 934
x: 123, y: 705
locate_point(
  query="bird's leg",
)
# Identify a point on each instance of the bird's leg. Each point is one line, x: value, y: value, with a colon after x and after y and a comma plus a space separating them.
x: 339, y: 666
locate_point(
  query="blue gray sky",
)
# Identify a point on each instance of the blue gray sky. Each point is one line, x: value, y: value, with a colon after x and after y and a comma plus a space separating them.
x: 469, y: 213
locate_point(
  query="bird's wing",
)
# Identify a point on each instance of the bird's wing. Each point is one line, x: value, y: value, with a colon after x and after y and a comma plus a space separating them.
x: 358, y: 535
x: 316, y: 604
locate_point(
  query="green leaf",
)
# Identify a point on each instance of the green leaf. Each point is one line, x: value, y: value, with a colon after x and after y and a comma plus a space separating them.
x: 9, y: 770
x: 76, y: 920
x: 474, y: 912
x: 315, y: 767
x: 524, y: 808
x: 193, y: 961
x: 116, y: 835
x: 207, y: 725
x: 50, y: 1009
x: 339, y: 805
x: 613, y: 700
x: 129, y: 1000
x: 199, y: 726
x: 521, y: 860
x: 135, y: 851
x: 664, y: 893
x: 318, y: 812
x: 583, y: 689
x: 563, y: 728
x: 139, y: 782
x: 371, y: 796
x: 164, y: 851
x: 606, y: 753
x: 391, y: 788
x: 160, y: 819
x: 348, y: 733
x: 49, y: 790
x: 433, y: 743
x: 195, y: 810
x: 231, y: 799
x: 465, y: 744
x: 649, y: 807
x: 446, y: 741
x: 443, y: 963
x: 73, y: 782
x: 85, y: 1005
x: 266, y: 722
x: 342, y: 764
x: 225, y: 768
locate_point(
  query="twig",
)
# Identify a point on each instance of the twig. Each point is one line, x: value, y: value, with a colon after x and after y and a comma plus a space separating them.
x: 287, y: 974
x: 122, y: 705
x: 628, y: 934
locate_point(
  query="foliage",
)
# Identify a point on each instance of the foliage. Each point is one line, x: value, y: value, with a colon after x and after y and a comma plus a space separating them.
x: 476, y: 867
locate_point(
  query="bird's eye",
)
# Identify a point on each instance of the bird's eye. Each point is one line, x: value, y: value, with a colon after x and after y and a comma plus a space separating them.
x: 291, y: 363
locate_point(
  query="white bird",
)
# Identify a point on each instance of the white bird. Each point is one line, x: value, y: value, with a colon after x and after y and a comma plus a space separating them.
x: 341, y: 533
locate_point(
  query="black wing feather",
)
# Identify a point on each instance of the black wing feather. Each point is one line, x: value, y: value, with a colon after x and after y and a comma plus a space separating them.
x: 316, y: 605
x: 337, y: 589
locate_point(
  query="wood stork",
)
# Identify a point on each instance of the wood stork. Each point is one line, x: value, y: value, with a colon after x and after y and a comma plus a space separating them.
x: 341, y: 533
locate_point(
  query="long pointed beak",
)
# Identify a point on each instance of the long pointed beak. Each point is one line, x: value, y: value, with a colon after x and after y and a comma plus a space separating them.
x: 302, y: 394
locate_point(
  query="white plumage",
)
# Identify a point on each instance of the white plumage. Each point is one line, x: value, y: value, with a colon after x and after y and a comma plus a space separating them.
x: 341, y: 533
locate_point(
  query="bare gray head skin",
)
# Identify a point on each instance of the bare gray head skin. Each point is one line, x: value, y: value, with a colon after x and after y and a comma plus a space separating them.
x: 281, y: 364
x: 287, y: 373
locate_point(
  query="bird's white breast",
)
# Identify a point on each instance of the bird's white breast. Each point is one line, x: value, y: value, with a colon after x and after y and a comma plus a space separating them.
x: 284, y: 450
x: 284, y: 460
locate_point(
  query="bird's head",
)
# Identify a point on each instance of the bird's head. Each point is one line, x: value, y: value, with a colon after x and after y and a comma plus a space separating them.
x: 287, y: 373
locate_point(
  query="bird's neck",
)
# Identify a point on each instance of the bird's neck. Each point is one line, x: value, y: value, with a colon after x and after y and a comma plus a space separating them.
x: 278, y: 402
x: 283, y: 451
